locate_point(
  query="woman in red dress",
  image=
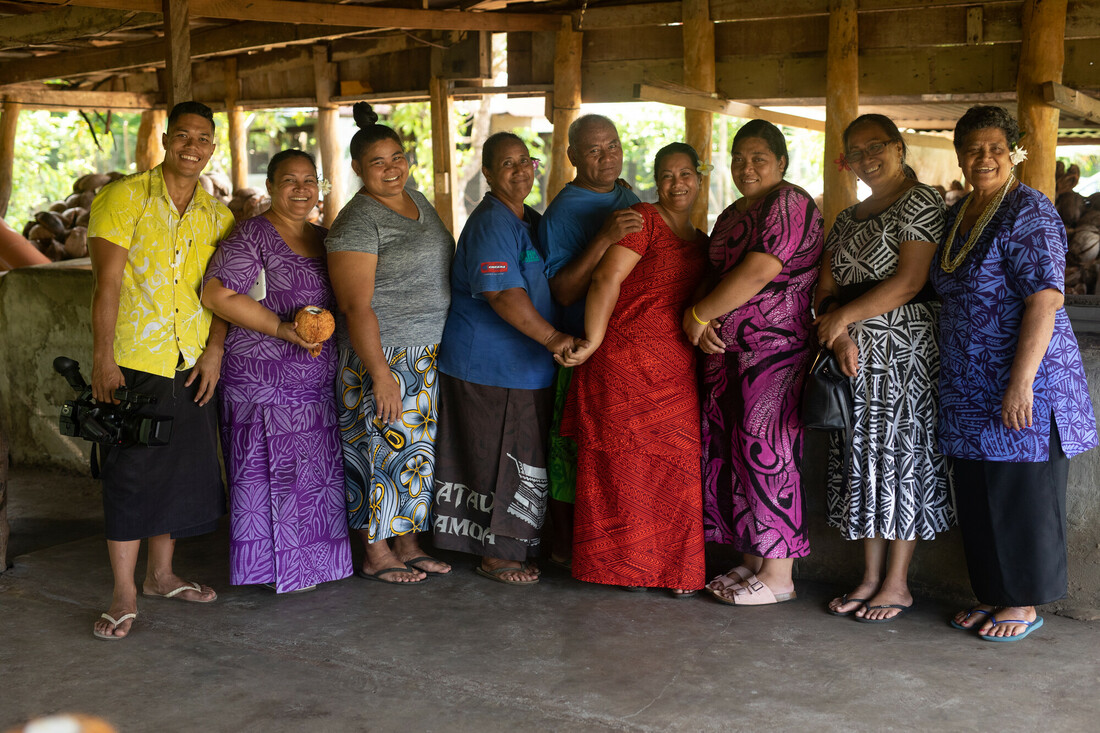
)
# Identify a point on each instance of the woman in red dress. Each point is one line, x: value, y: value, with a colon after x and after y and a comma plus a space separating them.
x: 633, y: 407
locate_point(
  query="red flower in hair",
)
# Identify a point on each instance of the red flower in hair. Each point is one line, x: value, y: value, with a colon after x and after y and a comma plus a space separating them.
x: 842, y: 164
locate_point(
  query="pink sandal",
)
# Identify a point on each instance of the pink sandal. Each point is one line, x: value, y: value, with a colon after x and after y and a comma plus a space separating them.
x: 754, y: 593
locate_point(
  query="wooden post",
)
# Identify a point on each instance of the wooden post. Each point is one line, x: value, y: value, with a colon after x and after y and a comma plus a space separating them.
x: 443, y: 153
x: 1042, y: 55
x: 9, y: 121
x: 149, y: 151
x: 566, y: 105
x: 238, y: 133
x: 328, y: 134
x: 5, y: 529
x: 177, y: 52
x: 698, y: 32
x: 841, y: 103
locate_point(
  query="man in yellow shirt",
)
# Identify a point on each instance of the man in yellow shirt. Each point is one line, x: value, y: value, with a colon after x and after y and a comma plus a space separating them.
x: 150, y: 237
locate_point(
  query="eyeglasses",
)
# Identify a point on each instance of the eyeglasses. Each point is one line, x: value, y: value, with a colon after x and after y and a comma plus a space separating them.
x: 855, y: 156
x: 510, y: 164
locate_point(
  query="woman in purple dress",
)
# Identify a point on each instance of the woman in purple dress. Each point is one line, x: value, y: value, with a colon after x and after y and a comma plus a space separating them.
x: 754, y: 326
x: 1014, y: 403
x: 278, y: 420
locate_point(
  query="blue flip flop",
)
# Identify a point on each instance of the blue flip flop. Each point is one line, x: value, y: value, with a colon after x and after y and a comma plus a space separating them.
x: 1031, y: 626
x: 969, y: 613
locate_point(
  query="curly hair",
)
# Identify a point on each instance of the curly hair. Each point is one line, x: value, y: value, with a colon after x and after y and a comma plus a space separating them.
x: 981, y: 117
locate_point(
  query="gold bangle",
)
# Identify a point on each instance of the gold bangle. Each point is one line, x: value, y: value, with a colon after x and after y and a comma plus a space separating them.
x: 696, y: 317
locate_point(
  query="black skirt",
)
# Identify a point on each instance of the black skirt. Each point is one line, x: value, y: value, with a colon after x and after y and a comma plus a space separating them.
x: 1013, y: 522
x: 171, y: 489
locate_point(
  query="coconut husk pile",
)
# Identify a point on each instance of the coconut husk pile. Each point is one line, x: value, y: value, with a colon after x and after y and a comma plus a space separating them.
x: 61, y: 231
x: 1081, y: 217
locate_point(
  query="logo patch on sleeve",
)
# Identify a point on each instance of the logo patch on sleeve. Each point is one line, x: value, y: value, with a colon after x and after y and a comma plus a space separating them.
x: 494, y: 268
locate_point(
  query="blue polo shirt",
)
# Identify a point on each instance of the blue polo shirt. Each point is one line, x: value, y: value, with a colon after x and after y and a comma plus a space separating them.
x: 496, y: 251
x: 571, y: 221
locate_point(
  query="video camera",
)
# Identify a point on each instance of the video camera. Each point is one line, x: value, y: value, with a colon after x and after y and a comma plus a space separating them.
x: 105, y: 423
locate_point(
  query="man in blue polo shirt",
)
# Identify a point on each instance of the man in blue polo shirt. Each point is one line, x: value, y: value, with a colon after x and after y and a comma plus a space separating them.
x: 589, y: 215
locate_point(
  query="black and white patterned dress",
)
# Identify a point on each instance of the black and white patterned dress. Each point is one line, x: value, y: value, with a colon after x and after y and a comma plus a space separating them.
x: 897, y: 487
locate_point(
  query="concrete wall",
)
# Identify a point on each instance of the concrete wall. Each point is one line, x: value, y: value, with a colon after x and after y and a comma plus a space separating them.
x: 45, y: 312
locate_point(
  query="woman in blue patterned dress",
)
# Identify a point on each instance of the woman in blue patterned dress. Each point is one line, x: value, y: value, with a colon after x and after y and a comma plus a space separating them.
x: 1014, y: 403
x: 388, y: 256
x: 878, y: 313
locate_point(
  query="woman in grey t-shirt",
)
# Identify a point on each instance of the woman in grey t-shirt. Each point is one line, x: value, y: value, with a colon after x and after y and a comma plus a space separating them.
x: 389, y: 258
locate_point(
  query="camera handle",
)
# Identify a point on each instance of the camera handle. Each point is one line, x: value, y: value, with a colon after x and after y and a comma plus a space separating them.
x: 70, y: 369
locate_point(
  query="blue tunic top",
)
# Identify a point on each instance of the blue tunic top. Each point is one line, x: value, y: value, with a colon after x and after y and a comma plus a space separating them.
x: 1022, y: 251
x: 571, y: 221
x: 496, y: 251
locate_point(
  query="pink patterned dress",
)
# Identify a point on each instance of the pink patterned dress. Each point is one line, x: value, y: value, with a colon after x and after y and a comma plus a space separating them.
x: 752, y: 430
x: 278, y: 424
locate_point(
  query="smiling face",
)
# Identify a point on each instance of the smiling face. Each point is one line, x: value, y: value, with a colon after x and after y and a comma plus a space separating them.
x: 513, y: 173
x: 294, y: 190
x: 598, y: 156
x: 879, y: 163
x: 677, y: 182
x: 984, y: 159
x: 188, y: 145
x: 755, y: 168
x: 383, y: 168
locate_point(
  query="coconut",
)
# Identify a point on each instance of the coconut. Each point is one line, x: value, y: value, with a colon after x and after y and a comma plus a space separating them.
x: 58, y: 207
x: 314, y: 325
x: 1086, y: 244
x: 83, y: 219
x: 1091, y: 218
x: 76, y: 244
x: 69, y: 216
x: 1071, y: 205
x: 51, y: 221
x: 39, y: 233
x: 91, y: 182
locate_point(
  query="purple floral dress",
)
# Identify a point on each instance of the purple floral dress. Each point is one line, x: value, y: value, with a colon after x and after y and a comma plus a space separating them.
x: 752, y: 430
x: 278, y: 424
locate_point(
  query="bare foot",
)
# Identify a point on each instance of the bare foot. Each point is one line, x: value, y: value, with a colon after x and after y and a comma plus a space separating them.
x: 887, y: 596
x: 970, y: 617
x: 734, y: 576
x: 162, y: 584
x: 778, y: 583
x: 379, y: 557
x: 121, y: 604
x: 517, y: 571
x: 1022, y: 613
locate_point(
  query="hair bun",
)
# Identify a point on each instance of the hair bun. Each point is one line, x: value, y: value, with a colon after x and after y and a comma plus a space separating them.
x: 364, y: 115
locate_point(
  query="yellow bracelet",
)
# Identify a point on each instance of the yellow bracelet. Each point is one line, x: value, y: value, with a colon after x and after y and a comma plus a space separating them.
x: 696, y: 317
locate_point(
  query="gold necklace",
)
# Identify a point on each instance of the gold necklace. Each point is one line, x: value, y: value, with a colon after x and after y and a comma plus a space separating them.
x: 948, y: 263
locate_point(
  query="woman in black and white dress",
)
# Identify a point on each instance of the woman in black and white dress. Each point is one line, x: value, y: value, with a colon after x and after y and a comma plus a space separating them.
x: 877, y: 312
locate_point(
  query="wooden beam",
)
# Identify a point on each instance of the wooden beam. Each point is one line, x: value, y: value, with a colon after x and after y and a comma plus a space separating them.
x: 690, y: 99
x: 66, y: 23
x: 565, y: 105
x: 419, y: 95
x: 177, y: 52
x: 1042, y: 56
x: 974, y: 32
x: 698, y: 32
x: 9, y: 123
x: 41, y: 96
x: 238, y: 132
x: 1071, y: 101
x: 443, y: 154
x: 328, y: 133
x: 841, y: 103
x: 149, y: 151
x: 327, y: 13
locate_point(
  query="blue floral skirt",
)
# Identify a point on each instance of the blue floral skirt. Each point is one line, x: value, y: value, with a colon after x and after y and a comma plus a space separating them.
x: 389, y: 470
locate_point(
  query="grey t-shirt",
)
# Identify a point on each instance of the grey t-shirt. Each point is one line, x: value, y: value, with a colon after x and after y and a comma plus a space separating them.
x: 412, y: 289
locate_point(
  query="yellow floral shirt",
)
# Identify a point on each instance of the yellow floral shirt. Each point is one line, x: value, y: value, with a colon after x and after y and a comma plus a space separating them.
x: 160, y: 316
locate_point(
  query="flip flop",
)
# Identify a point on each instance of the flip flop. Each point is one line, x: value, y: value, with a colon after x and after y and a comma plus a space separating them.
x: 1031, y: 626
x: 498, y: 575
x: 377, y: 576
x: 174, y: 594
x: 754, y: 593
x: 901, y: 612
x: 969, y: 613
x: 114, y: 625
x: 844, y: 601
x: 563, y: 564
x: 413, y: 563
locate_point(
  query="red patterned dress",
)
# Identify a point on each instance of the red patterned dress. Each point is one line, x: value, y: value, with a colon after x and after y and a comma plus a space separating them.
x: 633, y: 409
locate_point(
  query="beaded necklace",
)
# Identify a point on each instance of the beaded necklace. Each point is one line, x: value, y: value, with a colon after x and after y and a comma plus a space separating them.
x: 948, y: 263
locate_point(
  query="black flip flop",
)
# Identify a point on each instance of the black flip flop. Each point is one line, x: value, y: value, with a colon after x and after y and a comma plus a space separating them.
x: 413, y: 564
x: 901, y: 612
x: 377, y: 577
x: 845, y: 600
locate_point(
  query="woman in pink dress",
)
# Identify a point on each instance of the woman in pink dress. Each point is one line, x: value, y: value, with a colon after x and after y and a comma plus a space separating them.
x: 754, y: 326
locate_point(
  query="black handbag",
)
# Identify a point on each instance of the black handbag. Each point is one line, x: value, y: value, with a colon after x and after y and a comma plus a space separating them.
x: 827, y: 396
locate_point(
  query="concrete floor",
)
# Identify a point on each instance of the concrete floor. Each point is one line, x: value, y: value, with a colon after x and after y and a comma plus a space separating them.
x: 464, y: 654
